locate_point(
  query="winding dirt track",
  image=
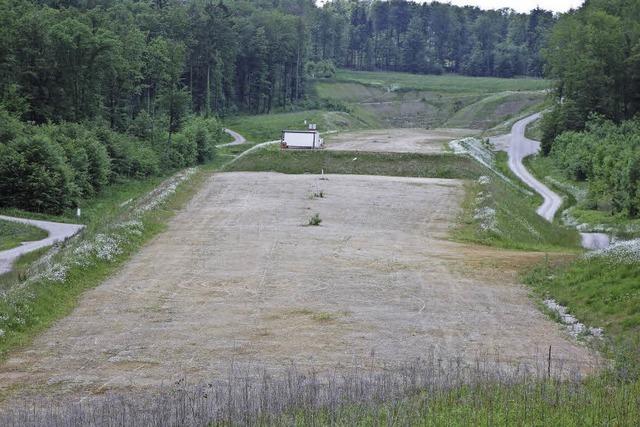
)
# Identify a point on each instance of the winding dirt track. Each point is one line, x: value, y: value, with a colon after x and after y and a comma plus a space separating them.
x: 520, y: 147
x: 237, y: 138
x: 58, y: 231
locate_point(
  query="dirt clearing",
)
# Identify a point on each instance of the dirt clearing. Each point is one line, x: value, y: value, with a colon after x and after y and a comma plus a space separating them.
x: 239, y: 277
x: 420, y: 141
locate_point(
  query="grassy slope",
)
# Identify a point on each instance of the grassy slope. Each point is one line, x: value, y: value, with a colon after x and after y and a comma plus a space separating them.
x: 517, y: 226
x: 445, y: 83
x: 268, y: 127
x: 601, y: 291
x: 341, y: 162
x: 14, y: 233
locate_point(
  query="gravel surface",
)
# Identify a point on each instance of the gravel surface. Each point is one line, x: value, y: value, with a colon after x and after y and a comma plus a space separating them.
x: 57, y: 232
x: 238, y: 277
x: 237, y: 138
x: 396, y: 140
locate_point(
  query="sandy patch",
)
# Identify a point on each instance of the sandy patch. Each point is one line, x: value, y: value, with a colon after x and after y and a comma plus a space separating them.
x: 396, y: 140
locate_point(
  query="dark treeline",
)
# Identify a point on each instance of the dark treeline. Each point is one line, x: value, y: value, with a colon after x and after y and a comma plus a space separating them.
x: 430, y: 38
x: 593, y: 132
x: 77, y: 60
x: 94, y: 91
x: 594, y: 57
x: 111, y: 59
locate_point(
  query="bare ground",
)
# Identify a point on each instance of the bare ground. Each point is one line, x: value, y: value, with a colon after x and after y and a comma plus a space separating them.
x: 396, y: 140
x: 239, y: 278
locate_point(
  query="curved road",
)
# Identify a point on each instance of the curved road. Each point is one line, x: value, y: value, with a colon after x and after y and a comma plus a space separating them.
x: 520, y: 147
x: 57, y: 232
x: 237, y: 138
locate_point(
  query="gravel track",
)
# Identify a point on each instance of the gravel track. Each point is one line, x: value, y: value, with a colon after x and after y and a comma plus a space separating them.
x: 519, y: 147
x: 237, y: 138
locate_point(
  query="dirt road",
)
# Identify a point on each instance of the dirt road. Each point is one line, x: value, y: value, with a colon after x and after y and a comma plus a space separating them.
x: 396, y: 140
x: 57, y: 232
x: 519, y: 147
x: 237, y: 138
x: 239, y: 276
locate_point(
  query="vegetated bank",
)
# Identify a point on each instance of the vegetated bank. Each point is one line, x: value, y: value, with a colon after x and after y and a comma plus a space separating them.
x: 591, y: 153
x: 12, y: 234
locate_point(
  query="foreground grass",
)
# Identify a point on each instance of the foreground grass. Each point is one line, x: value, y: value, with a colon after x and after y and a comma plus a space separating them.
x: 360, y: 163
x: 12, y: 234
x: 551, y: 403
x: 425, y: 394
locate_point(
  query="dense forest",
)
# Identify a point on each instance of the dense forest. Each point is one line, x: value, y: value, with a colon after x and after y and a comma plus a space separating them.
x: 430, y: 38
x: 94, y: 92
x: 593, y: 131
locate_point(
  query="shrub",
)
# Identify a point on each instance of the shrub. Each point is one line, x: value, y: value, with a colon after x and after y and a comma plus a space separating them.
x: 206, y: 133
x: 10, y: 127
x: 34, y: 176
x: 315, y: 220
x: 129, y: 157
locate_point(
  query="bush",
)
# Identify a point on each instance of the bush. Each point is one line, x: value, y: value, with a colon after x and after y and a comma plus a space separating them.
x: 315, y: 220
x: 10, y: 127
x: 606, y: 155
x: 178, y: 152
x: 206, y: 133
x: 129, y: 157
x: 34, y: 176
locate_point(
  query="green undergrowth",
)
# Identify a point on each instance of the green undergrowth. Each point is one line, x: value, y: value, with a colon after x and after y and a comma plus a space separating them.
x: 535, y: 403
x: 46, y: 286
x: 273, y: 159
x: 581, y: 209
x: 108, y: 202
x: 12, y: 234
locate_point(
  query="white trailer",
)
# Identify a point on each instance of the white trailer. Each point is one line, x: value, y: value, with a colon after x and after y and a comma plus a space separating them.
x: 309, y: 139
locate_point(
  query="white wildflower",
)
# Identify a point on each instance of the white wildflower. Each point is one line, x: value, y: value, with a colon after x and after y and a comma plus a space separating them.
x: 574, y: 327
x: 107, y: 247
x: 484, y: 180
x: 627, y: 251
x: 486, y: 218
